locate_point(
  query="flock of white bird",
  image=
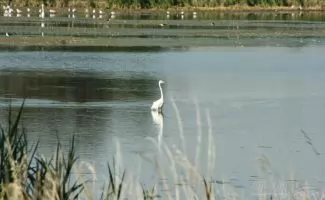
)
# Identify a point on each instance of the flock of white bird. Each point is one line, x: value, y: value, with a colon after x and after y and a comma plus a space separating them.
x: 9, y: 11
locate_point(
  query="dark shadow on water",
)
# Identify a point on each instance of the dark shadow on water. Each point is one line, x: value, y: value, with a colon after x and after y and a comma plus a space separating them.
x: 74, y: 86
x: 93, y: 127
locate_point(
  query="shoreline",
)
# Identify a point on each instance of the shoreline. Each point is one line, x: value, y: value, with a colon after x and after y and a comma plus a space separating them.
x: 186, y: 8
x: 226, y: 9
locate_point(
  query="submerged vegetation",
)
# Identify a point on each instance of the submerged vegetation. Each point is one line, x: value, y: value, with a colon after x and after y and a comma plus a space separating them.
x: 24, y: 174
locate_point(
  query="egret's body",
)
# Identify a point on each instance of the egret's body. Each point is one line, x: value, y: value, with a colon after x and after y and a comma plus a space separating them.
x: 157, y: 105
x: 52, y: 11
x: 42, y: 15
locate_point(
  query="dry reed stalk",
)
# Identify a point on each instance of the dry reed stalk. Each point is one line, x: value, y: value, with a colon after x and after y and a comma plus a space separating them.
x: 180, y: 124
x: 199, y: 134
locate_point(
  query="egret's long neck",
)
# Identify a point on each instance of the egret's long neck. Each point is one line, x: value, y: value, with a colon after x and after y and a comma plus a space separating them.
x: 161, y: 92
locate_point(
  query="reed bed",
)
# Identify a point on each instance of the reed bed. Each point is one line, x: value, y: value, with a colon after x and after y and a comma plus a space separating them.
x: 24, y: 174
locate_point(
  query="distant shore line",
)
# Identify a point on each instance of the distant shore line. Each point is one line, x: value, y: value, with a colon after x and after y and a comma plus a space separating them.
x: 243, y: 8
x: 232, y: 8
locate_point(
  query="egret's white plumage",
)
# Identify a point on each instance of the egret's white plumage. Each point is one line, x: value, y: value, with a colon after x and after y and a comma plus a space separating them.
x: 157, y: 105
x: 42, y: 15
x: 52, y: 11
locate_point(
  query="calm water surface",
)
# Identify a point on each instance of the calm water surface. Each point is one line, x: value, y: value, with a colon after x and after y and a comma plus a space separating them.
x: 258, y: 98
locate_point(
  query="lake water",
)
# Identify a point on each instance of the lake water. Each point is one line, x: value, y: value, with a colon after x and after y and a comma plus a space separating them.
x: 257, y: 99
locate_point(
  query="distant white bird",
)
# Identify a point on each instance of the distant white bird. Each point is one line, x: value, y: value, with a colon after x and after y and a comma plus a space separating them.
x: 7, y: 35
x: 52, y: 11
x: 157, y: 105
x: 42, y: 15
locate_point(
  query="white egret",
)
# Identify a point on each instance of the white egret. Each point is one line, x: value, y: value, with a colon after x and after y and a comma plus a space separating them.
x: 157, y: 105
x: 52, y: 11
x: 42, y: 15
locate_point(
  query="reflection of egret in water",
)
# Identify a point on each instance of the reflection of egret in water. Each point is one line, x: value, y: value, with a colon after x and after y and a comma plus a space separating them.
x: 159, y: 121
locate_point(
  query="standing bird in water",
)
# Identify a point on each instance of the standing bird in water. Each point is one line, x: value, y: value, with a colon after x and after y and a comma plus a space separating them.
x: 157, y: 105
